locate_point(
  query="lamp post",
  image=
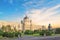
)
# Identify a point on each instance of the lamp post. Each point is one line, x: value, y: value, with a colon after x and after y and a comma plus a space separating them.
x: 22, y: 27
x: 30, y: 24
x: 49, y: 27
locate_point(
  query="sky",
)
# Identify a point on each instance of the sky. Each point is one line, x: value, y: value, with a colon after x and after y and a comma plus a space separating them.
x: 39, y: 11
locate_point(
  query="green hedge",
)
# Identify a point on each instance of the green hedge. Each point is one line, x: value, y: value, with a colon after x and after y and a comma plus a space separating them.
x: 42, y: 33
x: 57, y: 30
x: 28, y: 32
x: 49, y: 33
x: 46, y: 32
x: 36, y: 31
x: 1, y: 33
x: 9, y: 34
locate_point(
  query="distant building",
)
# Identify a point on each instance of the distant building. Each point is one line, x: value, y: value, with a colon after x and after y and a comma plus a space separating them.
x: 43, y: 27
x: 26, y: 24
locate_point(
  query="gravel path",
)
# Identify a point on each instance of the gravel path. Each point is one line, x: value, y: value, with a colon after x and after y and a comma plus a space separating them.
x: 34, y: 38
x: 41, y: 38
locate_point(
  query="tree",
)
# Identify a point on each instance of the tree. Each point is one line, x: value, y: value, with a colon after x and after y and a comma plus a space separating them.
x: 3, y: 28
x: 8, y: 28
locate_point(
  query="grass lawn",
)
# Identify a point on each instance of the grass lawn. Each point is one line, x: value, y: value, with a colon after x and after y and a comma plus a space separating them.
x: 34, y: 35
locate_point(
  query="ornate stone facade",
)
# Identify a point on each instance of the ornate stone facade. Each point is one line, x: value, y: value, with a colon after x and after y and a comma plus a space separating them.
x: 28, y: 25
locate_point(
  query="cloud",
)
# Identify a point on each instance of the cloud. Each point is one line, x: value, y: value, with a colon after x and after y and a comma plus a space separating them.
x: 37, y: 3
x: 33, y: 3
x: 44, y: 16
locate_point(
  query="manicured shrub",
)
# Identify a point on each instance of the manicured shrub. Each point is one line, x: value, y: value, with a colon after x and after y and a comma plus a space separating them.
x: 42, y: 32
x: 46, y: 32
x: 28, y: 32
x: 57, y: 30
x: 1, y: 33
x: 49, y: 33
x: 17, y: 33
x: 11, y: 34
x: 36, y: 31
x: 8, y: 34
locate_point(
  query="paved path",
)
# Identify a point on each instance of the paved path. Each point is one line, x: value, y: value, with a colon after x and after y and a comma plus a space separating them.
x: 40, y: 38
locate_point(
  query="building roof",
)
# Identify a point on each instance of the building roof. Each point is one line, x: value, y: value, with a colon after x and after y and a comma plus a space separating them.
x: 26, y: 17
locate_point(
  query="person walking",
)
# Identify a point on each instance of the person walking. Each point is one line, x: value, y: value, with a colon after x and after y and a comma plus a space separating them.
x: 20, y: 35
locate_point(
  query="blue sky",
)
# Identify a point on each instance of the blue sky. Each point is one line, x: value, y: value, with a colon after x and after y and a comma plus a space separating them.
x: 14, y: 10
